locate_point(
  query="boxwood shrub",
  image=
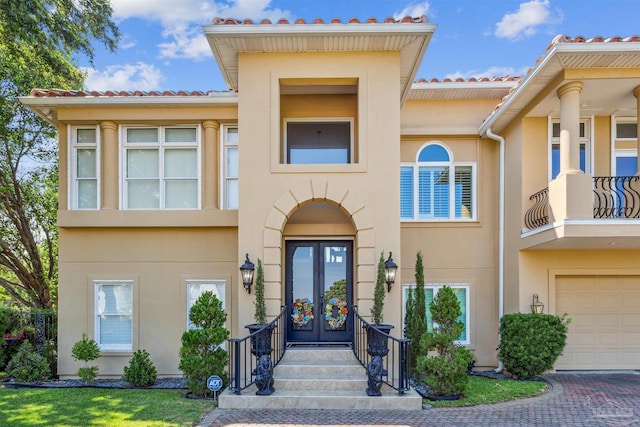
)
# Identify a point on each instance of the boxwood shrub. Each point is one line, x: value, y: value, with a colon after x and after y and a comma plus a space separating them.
x: 531, y: 343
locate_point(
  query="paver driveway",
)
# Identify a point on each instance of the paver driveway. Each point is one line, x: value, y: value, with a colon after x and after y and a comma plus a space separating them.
x: 576, y: 399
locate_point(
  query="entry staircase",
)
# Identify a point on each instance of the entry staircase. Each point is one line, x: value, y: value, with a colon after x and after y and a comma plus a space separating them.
x: 320, y: 378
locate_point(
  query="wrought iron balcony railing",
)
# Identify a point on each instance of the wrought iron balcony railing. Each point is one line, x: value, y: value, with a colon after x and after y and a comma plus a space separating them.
x: 538, y: 214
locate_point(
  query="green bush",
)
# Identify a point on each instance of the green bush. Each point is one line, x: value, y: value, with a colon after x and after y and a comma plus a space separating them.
x: 9, y: 320
x: 415, y: 319
x: 531, y: 343
x: 3, y: 355
x: 442, y: 363
x: 141, y: 371
x: 86, y: 350
x: 200, y: 353
x: 27, y: 365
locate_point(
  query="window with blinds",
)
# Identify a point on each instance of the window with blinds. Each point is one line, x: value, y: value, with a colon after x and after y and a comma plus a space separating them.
x: 428, y: 192
x: 85, y: 167
x: 114, y: 315
x: 461, y: 291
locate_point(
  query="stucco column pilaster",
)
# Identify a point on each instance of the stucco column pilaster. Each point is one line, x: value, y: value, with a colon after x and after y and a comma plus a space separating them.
x: 109, y: 169
x: 636, y: 93
x: 569, y: 95
x: 210, y: 150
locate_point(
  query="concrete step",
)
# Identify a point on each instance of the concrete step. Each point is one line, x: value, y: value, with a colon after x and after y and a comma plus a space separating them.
x: 309, y: 371
x: 326, y: 384
x: 315, y: 399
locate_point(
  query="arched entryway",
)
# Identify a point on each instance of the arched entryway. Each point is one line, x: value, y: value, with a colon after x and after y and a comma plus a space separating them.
x: 318, y: 274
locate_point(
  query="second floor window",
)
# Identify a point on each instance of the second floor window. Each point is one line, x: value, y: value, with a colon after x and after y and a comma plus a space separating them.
x: 230, y: 167
x: 161, y: 167
x: 435, y: 188
x: 585, y: 148
x: 319, y: 141
x: 84, y: 168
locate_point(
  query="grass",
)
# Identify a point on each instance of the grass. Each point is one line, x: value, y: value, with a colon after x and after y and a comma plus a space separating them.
x: 99, y: 407
x: 485, y: 390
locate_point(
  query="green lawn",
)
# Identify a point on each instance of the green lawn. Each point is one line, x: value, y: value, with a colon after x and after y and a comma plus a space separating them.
x: 99, y: 407
x: 484, y: 390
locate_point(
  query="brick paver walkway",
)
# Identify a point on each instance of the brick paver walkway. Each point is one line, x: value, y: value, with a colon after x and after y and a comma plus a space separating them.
x: 576, y: 399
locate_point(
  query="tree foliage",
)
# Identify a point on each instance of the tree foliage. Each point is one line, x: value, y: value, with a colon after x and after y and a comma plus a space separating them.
x: 378, y: 295
x: 40, y: 41
x: 416, y: 312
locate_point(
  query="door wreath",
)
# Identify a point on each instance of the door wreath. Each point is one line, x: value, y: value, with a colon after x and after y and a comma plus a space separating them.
x: 336, y: 322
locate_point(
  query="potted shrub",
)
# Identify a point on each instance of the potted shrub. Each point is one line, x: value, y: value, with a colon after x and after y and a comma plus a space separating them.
x: 442, y: 363
x: 377, y: 342
x: 260, y: 342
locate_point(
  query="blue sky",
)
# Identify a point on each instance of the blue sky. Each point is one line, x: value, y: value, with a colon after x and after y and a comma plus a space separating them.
x: 163, y: 47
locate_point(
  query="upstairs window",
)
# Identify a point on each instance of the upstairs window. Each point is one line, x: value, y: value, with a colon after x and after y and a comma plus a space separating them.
x: 319, y: 141
x: 554, y: 148
x: 435, y: 188
x: 161, y: 167
x: 84, y: 168
x: 229, y: 167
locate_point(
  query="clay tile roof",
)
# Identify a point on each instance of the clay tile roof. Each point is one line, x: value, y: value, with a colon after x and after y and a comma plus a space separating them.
x: 282, y: 21
x: 336, y: 21
x: 53, y: 93
x: 354, y: 21
x: 301, y: 21
x: 318, y: 21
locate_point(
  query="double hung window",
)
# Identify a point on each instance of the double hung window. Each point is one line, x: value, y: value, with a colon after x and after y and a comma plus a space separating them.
x: 554, y: 148
x: 625, y: 156
x: 195, y: 288
x: 161, y: 167
x: 436, y: 188
x: 114, y: 314
x: 461, y: 291
x: 84, y: 182
x: 230, y: 167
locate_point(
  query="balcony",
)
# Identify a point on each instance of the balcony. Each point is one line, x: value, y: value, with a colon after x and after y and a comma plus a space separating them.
x: 613, y: 223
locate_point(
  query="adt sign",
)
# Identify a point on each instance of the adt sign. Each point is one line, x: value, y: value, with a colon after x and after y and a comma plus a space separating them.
x: 214, y: 383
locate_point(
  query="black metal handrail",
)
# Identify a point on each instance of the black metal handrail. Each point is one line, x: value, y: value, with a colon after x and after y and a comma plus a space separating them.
x: 242, y: 363
x: 616, y: 197
x: 538, y: 214
x: 396, y: 362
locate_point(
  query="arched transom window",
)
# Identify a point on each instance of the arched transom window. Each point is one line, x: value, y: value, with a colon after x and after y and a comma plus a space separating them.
x: 435, y: 188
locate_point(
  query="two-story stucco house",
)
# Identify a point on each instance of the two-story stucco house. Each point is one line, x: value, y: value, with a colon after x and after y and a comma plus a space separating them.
x: 327, y: 151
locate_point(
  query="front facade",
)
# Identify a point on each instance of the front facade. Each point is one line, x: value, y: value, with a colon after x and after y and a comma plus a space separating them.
x: 327, y: 152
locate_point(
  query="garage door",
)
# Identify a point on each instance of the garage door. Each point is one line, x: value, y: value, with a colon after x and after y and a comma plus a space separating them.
x: 605, y: 321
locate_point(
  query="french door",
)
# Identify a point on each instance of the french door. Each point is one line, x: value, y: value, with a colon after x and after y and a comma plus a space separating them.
x: 319, y: 291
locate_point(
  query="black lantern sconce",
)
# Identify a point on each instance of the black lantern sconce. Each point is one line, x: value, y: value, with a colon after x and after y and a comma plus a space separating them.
x: 247, y: 270
x: 390, y: 272
x: 536, y: 305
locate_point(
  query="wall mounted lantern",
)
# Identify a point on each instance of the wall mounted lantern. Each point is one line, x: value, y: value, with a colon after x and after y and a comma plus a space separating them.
x: 536, y: 305
x: 390, y: 272
x: 247, y: 270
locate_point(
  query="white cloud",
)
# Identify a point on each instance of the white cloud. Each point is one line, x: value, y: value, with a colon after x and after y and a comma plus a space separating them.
x: 414, y: 10
x: 139, y: 76
x: 491, y: 72
x: 526, y: 20
x: 181, y: 20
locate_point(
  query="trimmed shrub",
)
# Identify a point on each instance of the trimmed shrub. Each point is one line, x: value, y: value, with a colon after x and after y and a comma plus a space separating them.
x: 200, y: 354
x: 442, y: 363
x: 530, y: 343
x: 27, y: 365
x: 141, y: 371
x: 86, y: 350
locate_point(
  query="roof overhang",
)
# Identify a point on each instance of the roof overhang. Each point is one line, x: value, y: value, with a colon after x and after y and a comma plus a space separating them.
x: 454, y: 91
x: 47, y: 106
x: 546, y: 77
x: 410, y: 39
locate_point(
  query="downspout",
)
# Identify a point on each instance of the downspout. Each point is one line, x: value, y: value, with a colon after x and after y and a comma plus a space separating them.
x: 501, y: 141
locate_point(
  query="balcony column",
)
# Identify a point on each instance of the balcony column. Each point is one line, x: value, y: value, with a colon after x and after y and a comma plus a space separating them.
x: 570, y: 194
x: 569, y: 95
x: 109, y: 168
x: 210, y: 166
x: 636, y: 93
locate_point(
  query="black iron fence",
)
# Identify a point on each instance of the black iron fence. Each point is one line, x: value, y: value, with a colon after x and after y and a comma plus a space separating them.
x: 616, y: 197
x: 396, y: 363
x: 243, y: 356
x: 38, y: 327
x: 538, y: 214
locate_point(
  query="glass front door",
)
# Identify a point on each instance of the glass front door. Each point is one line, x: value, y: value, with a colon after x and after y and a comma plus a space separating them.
x: 319, y: 291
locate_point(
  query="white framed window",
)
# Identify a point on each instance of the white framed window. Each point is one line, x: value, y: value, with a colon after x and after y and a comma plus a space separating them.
x: 229, y: 167
x: 113, y: 314
x: 461, y: 291
x: 161, y: 167
x: 195, y: 288
x: 313, y: 141
x: 84, y: 167
x: 554, y: 147
x: 435, y: 188
x: 624, y: 158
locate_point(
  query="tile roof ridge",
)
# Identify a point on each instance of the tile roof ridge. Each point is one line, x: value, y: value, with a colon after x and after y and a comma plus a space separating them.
x: 52, y: 93
x: 482, y: 79
x: 302, y: 21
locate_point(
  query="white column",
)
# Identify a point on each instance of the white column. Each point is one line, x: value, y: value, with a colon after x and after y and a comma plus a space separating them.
x: 569, y: 95
x: 636, y: 93
x: 210, y: 166
x: 109, y: 165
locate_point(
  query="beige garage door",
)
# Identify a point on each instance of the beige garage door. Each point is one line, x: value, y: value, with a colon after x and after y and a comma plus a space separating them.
x: 605, y: 321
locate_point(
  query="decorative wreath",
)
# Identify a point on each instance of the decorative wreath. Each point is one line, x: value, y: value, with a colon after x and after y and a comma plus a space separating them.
x: 336, y: 322
x: 302, y: 312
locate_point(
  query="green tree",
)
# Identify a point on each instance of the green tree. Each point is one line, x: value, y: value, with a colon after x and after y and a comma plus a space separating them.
x: 378, y: 294
x: 260, y: 315
x: 416, y: 316
x: 40, y: 41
